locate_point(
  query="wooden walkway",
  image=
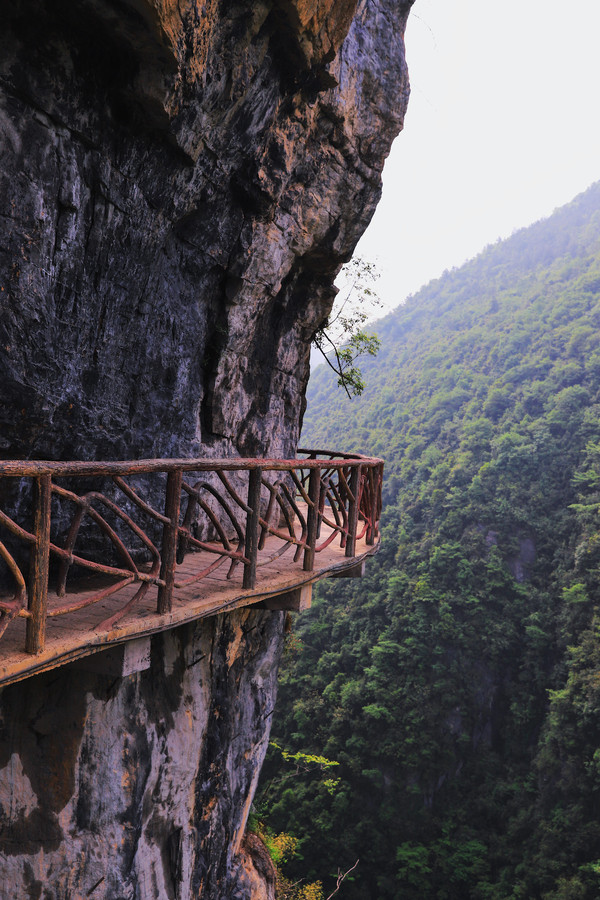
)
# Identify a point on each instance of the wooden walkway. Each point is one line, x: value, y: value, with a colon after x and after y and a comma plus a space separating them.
x: 81, y: 633
x: 245, y: 532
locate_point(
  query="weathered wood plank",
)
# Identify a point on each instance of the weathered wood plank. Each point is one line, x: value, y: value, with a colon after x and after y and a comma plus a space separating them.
x: 73, y: 636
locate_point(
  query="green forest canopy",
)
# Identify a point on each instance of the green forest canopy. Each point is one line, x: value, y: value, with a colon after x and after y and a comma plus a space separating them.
x: 458, y: 683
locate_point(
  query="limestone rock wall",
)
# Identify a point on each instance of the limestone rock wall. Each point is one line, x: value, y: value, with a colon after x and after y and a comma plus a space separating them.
x: 179, y: 184
x: 139, y: 787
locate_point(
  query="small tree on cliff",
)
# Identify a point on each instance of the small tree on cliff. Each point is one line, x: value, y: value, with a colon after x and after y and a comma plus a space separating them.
x: 342, y: 339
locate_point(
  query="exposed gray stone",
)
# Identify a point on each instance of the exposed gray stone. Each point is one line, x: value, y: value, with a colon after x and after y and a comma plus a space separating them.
x: 139, y: 785
x: 180, y: 181
x: 177, y: 192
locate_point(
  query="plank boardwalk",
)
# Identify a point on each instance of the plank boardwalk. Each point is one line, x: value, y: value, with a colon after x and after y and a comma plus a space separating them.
x: 81, y: 633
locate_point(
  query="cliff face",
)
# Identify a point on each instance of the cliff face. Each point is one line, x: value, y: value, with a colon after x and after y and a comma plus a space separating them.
x: 139, y: 787
x: 179, y: 184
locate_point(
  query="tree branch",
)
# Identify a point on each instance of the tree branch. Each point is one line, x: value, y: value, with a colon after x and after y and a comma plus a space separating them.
x: 340, y: 878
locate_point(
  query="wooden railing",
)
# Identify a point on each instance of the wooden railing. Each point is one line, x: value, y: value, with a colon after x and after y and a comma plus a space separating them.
x: 224, y: 508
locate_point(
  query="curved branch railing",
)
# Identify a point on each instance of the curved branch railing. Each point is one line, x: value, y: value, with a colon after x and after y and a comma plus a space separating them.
x: 224, y: 508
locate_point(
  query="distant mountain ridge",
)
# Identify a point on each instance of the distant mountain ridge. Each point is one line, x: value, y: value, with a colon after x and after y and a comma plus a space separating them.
x: 571, y: 232
x: 457, y: 683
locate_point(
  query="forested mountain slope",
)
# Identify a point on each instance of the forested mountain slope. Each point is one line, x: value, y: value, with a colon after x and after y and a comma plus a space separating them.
x: 458, y: 683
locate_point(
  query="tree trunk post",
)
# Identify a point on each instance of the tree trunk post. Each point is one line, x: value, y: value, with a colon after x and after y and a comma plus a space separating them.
x: 354, y: 486
x: 169, y: 542
x: 38, y: 587
x: 252, y: 528
x: 312, y: 521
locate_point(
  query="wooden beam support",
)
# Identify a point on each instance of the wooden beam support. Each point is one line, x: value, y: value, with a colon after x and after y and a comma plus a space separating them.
x: 356, y: 571
x: 120, y: 661
x: 292, y: 601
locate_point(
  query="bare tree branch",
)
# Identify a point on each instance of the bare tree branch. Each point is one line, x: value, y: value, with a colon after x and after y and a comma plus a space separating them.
x: 340, y: 878
x: 339, y: 368
x: 343, y: 334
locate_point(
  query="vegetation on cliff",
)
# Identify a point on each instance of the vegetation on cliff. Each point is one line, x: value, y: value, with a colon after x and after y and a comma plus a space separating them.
x: 343, y: 340
x: 457, y: 684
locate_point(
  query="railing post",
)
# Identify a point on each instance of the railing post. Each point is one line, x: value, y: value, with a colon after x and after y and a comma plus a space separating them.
x: 354, y: 486
x: 38, y: 587
x: 322, y: 497
x: 252, y: 527
x: 379, y: 497
x: 169, y: 542
x: 312, y: 519
x: 371, y: 512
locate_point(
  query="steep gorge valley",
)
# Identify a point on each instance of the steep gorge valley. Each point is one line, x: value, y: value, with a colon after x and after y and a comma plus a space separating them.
x: 455, y: 688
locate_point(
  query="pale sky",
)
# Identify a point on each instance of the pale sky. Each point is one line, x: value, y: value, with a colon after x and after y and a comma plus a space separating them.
x: 503, y: 126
